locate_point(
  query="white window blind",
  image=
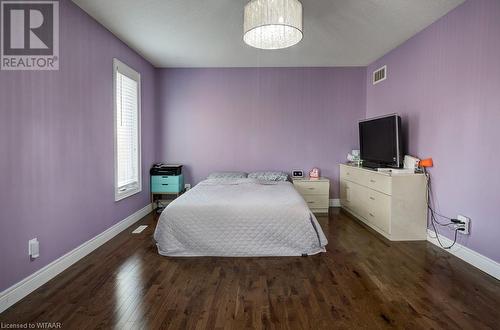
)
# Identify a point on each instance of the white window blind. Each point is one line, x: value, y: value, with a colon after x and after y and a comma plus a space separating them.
x: 127, y: 130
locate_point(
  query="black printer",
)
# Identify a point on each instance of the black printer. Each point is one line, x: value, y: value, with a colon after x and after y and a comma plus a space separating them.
x: 165, y: 169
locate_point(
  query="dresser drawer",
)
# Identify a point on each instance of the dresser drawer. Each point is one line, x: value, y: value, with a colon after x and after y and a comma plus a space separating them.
x: 316, y: 201
x: 352, y: 174
x: 370, y: 179
x: 379, y: 182
x: 312, y: 187
x: 357, y: 199
x: 345, y: 193
x: 167, y: 183
x: 378, y: 209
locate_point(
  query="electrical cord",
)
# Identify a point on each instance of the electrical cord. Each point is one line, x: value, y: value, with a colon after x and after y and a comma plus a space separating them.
x: 433, y: 221
x: 440, y: 215
x: 433, y: 214
x: 429, y: 202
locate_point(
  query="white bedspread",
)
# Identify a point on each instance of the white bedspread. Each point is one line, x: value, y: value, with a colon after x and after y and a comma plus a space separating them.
x: 237, y: 218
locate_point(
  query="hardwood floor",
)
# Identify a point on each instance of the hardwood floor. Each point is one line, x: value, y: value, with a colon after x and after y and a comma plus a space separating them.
x: 363, y: 281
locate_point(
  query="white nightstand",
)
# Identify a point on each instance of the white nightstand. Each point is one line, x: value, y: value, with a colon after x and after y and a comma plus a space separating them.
x: 316, y: 193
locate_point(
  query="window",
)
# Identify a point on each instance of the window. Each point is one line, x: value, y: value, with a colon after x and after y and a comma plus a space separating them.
x: 127, y: 110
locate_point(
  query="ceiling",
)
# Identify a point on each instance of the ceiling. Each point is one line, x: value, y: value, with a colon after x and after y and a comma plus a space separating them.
x: 208, y: 33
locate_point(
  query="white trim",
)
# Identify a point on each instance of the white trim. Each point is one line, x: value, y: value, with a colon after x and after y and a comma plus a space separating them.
x: 335, y: 202
x: 21, y: 289
x: 477, y: 260
x: 124, y: 69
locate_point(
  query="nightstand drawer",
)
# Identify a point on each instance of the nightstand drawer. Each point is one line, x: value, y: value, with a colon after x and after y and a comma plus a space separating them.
x: 312, y: 187
x: 316, y: 193
x: 167, y: 183
x: 316, y: 201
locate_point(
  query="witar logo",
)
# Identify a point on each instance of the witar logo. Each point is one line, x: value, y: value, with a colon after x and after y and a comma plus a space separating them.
x: 29, y: 35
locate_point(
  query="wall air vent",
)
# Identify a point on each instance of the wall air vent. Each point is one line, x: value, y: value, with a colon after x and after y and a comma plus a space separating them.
x: 380, y: 75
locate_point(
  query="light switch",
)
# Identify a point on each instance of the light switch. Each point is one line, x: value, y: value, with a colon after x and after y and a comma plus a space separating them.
x: 34, y: 248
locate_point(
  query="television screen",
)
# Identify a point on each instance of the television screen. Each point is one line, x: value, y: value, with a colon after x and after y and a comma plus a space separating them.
x: 380, y: 141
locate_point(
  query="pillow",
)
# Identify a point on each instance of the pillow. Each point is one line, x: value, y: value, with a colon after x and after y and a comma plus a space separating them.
x: 227, y: 175
x: 269, y: 176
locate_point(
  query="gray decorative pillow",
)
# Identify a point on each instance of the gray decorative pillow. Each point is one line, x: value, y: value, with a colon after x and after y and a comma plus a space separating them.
x: 227, y: 175
x: 269, y: 176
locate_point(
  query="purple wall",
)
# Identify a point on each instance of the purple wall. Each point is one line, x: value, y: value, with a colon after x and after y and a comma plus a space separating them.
x: 56, y: 136
x: 259, y: 119
x: 446, y: 83
x: 56, y: 147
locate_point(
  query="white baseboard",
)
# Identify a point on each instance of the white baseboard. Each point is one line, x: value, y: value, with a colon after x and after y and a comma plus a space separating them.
x: 21, y: 289
x: 335, y: 202
x: 477, y: 260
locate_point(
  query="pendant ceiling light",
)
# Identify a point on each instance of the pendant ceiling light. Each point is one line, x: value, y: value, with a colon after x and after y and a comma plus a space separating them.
x: 272, y: 24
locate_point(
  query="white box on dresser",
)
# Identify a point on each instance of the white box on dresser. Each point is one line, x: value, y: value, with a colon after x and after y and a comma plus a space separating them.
x: 316, y: 193
x: 393, y: 205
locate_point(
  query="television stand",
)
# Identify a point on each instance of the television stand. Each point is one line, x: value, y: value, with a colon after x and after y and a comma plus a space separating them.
x: 393, y: 205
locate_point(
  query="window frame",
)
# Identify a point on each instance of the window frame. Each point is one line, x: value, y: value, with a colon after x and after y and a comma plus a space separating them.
x: 124, y: 69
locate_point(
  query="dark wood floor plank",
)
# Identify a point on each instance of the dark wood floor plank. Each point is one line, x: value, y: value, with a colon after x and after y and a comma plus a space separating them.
x: 363, y: 281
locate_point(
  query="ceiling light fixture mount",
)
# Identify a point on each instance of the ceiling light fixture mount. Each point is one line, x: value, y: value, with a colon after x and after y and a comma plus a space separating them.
x: 272, y: 24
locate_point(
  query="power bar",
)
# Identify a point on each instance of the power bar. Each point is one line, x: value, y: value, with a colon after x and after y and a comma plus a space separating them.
x: 462, y: 224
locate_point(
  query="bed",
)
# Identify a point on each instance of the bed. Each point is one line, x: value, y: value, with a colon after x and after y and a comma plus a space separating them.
x: 239, y: 217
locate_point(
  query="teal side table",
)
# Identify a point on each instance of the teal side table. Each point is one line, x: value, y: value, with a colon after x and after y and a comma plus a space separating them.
x: 166, y: 185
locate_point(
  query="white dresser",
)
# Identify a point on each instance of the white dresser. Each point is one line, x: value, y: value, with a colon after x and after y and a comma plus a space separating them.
x: 316, y: 193
x: 393, y: 205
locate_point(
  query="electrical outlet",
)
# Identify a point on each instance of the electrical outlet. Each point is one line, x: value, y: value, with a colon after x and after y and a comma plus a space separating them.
x: 34, y: 248
x: 187, y: 186
x: 465, y: 225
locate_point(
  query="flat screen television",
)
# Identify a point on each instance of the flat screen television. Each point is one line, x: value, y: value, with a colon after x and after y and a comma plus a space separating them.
x: 380, y: 142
